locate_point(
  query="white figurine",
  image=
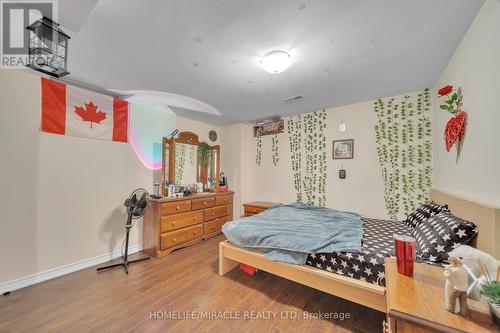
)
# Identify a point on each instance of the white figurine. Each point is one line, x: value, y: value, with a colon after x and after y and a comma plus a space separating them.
x: 457, y: 282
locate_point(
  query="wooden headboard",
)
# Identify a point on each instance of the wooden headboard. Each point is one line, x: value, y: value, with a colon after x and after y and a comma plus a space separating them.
x: 485, y: 217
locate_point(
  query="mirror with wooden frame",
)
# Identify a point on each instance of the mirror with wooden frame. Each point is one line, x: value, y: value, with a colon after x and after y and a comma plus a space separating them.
x: 186, y: 160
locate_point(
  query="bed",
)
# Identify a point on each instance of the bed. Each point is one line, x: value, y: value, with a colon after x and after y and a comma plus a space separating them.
x: 367, y: 292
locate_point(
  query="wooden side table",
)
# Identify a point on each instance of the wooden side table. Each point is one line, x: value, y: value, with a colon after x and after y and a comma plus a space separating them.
x: 256, y: 207
x: 416, y: 304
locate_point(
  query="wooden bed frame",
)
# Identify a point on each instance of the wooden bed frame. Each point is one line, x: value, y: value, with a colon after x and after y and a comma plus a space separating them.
x: 486, y: 217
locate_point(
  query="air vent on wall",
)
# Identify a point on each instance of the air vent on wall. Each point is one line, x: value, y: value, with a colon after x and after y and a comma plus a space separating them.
x: 293, y: 99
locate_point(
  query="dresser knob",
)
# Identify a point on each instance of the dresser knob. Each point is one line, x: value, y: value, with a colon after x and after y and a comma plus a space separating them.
x: 173, y: 240
x: 213, y: 213
x: 194, y: 218
x: 225, y: 199
x: 177, y: 207
x: 173, y: 223
x: 212, y: 228
x: 204, y: 203
x: 194, y: 233
x: 227, y: 210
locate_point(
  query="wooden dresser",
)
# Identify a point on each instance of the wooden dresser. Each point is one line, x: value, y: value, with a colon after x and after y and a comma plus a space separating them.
x: 416, y: 304
x: 256, y: 207
x: 173, y: 223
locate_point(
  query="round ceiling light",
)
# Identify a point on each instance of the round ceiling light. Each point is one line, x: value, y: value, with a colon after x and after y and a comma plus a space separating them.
x: 276, y: 62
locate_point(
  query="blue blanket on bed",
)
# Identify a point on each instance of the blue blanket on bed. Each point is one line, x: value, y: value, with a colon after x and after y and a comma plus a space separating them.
x: 290, y: 232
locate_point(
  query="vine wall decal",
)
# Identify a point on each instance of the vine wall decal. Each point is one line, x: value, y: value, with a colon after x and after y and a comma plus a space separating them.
x: 307, y: 139
x: 403, y: 136
x: 192, y: 154
x: 275, y: 149
x: 180, y: 152
x: 294, y: 129
x: 258, y: 156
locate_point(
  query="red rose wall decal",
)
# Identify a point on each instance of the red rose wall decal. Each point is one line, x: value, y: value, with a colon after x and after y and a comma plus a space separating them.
x: 445, y: 90
x: 454, y: 132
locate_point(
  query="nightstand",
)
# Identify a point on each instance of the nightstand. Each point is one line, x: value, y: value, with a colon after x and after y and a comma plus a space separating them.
x: 416, y: 304
x: 256, y: 207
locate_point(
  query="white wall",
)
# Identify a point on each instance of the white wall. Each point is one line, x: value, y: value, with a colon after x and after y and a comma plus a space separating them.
x: 235, y: 163
x: 362, y: 191
x: 201, y: 129
x: 61, y: 197
x: 475, y: 67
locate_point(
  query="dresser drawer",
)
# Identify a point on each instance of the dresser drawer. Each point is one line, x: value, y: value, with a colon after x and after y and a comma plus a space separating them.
x: 253, y: 210
x: 223, y: 199
x: 182, y: 220
x: 177, y: 237
x: 216, y: 212
x: 202, y: 203
x: 215, y: 225
x: 168, y: 208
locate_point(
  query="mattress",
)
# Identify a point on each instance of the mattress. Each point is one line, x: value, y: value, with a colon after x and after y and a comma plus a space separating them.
x: 369, y: 265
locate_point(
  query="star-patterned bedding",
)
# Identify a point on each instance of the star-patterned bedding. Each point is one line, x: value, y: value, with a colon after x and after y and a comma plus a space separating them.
x: 369, y: 265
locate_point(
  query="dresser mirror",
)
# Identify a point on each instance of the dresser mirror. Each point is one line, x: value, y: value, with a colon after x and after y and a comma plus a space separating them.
x: 186, y: 161
x: 186, y: 168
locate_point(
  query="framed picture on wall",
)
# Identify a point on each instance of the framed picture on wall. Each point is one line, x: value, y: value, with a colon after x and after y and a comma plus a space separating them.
x: 343, y: 149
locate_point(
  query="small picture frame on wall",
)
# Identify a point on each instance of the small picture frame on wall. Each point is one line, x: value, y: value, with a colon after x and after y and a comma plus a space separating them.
x: 343, y: 149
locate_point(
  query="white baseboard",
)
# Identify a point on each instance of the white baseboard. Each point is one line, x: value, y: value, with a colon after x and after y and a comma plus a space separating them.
x: 63, y: 270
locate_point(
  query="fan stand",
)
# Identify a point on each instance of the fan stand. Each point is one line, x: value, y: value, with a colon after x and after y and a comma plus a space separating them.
x: 125, y: 262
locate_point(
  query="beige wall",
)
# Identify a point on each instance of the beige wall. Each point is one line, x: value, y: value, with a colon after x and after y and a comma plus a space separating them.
x: 201, y: 129
x: 475, y: 67
x: 235, y: 164
x: 61, y: 197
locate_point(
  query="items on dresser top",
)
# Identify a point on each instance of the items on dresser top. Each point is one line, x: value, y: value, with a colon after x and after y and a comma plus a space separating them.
x: 173, y: 223
x: 416, y: 304
x: 256, y: 207
x: 223, y: 185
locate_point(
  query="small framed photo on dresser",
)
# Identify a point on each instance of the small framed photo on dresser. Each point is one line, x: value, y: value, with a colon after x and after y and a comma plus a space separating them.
x: 343, y: 149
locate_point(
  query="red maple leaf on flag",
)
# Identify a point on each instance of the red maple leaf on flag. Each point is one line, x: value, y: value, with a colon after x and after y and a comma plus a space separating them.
x: 90, y: 113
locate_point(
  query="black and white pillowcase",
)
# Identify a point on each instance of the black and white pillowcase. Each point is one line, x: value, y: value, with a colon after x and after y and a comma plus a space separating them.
x: 440, y: 234
x: 423, y: 212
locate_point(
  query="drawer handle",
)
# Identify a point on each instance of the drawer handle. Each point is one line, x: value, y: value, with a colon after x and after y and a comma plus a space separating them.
x: 213, y: 213
x: 173, y: 240
x: 173, y: 223
x: 212, y: 228
x: 177, y: 207
x: 194, y: 233
x: 204, y: 203
x: 227, y: 210
x: 225, y: 199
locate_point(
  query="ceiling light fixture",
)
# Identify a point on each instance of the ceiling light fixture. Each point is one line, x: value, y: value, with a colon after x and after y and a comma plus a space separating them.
x: 276, y: 62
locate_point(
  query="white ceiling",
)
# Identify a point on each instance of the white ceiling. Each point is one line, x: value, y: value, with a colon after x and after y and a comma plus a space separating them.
x: 345, y: 51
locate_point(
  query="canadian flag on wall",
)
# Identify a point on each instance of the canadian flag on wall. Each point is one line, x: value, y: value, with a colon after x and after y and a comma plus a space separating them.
x: 73, y: 111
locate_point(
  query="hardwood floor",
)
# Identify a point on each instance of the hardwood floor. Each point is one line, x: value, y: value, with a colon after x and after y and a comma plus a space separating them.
x: 185, y: 282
